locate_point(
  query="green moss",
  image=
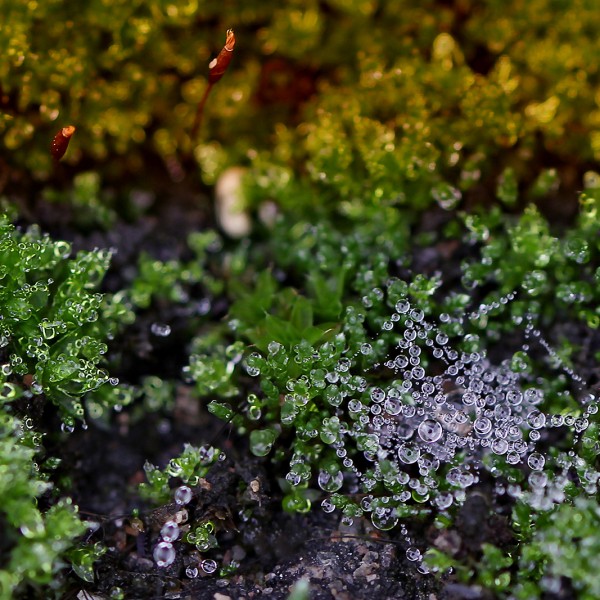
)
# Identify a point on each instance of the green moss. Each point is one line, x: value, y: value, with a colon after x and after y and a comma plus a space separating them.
x: 390, y: 118
x: 564, y: 545
x: 34, y: 542
x: 188, y: 468
x: 52, y: 328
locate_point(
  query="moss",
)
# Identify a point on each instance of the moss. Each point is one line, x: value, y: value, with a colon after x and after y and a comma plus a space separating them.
x: 451, y: 95
x: 34, y: 541
x: 368, y: 144
x: 53, y: 332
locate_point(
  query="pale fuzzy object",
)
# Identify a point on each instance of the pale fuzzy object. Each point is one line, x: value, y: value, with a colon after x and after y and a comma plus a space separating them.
x: 268, y: 212
x: 229, y: 204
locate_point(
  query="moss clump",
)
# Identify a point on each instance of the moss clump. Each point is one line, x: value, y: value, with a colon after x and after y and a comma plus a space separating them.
x: 34, y: 541
x: 454, y: 97
x: 52, y: 332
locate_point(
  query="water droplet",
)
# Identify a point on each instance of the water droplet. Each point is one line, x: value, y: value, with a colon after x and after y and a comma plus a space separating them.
x: 513, y: 458
x: 444, y: 500
x: 482, y: 426
x: 169, y: 531
x: 536, y: 419
x: 441, y: 339
x: 191, y: 572
x: 403, y: 306
x: 67, y: 427
x: 533, y: 396
x: 183, y: 495
x: 536, y: 461
x: 377, y: 394
x: 164, y: 554
x: 208, y: 566
x: 446, y: 195
x: 417, y: 373
x: 413, y: 554
x: 293, y: 478
x: 274, y: 348
x: 343, y: 365
x: 329, y: 482
x: 408, y: 454
x: 384, y: 519
x: 393, y: 406
x: 160, y: 329
x: 514, y: 397
x: 430, y: 431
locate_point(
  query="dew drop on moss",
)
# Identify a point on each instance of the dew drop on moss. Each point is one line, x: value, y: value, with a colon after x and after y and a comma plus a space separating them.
x: 513, y: 458
x: 482, y: 426
x: 366, y: 349
x: 408, y: 454
x: 429, y: 430
x: 446, y: 195
x: 169, y: 531
x: 393, y: 406
x: 329, y: 482
x: 536, y: 461
x: 384, y: 519
x: 160, y: 329
x: 67, y: 427
x: 261, y: 441
x: 343, y: 365
x: 536, y: 419
x: 499, y: 446
x: 164, y: 554
x: 208, y: 566
x: 402, y: 306
x: 444, y: 500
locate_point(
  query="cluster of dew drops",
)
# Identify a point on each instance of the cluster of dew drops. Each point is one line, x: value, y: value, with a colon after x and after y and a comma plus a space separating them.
x: 439, y: 431
x: 164, y: 553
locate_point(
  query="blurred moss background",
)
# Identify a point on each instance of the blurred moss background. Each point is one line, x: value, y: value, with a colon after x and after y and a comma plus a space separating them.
x: 391, y: 102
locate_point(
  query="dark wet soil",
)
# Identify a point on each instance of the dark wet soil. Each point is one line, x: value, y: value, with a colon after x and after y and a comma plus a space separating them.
x: 274, y: 549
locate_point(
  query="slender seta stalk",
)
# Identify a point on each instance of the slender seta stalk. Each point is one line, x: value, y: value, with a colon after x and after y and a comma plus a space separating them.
x: 217, y: 68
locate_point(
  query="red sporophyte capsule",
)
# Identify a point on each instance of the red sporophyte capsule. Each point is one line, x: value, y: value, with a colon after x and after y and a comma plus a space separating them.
x: 61, y: 140
x: 217, y: 68
x: 219, y: 65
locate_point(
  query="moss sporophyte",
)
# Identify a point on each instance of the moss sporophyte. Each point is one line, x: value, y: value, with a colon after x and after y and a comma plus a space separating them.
x: 61, y: 141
